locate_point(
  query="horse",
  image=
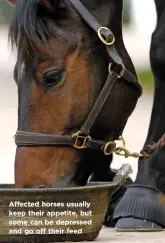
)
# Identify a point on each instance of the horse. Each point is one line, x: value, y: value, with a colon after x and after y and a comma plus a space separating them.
x: 61, y: 74
x: 60, y: 71
x: 143, y: 205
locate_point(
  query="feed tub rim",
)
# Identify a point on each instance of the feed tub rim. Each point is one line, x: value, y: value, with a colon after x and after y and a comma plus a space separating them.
x: 89, y: 186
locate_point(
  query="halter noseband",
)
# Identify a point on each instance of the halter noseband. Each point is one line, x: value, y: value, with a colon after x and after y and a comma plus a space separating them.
x: 82, y: 139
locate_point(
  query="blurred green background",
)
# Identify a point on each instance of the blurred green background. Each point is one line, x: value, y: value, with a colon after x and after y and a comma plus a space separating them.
x: 5, y: 13
x: 146, y: 80
x: 145, y: 76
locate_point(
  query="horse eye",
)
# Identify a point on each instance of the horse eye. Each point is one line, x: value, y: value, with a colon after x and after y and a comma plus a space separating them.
x: 53, y: 78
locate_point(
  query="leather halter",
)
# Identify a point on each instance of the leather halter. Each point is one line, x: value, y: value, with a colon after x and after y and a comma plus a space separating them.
x: 82, y: 139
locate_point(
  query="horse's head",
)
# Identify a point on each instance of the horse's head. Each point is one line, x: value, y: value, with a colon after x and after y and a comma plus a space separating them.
x: 61, y: 67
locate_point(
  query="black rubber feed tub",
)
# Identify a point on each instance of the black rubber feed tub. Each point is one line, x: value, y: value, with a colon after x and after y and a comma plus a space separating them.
x: 55, y: 215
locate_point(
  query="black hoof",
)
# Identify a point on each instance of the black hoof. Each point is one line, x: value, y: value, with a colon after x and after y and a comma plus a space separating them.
x: 140, y: 209
x: 136, y: 225
x: 109, y: 221
x: 117, y: 196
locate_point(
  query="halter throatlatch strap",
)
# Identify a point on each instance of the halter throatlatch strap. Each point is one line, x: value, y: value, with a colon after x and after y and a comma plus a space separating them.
x: 82, y: 139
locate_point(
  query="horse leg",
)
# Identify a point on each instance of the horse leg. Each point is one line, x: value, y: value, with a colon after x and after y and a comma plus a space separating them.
x: 141, y: 208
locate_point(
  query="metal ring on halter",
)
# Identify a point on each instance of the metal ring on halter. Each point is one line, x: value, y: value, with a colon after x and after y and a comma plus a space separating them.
x: 103, y: 39
x: 109, y: 144
x: 123, y: 66
x: 110, y: 69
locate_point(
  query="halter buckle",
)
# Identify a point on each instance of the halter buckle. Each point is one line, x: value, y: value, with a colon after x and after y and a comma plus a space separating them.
x: 102, y: 38
x: 80, y: 141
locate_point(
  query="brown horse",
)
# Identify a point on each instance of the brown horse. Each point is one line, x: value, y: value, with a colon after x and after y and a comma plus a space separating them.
x: 61, y: 68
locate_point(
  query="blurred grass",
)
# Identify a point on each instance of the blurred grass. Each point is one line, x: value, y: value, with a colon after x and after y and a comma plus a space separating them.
x: 146, y: 80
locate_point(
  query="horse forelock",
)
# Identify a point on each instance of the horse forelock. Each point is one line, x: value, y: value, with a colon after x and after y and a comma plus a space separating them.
x: 29, y: 26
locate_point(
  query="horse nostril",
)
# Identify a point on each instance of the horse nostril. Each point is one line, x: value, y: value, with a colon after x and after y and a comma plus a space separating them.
x: 41, y: 186
x: 30, y: 186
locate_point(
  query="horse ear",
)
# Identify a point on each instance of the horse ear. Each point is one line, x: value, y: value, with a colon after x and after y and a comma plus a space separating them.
x: 12, y: 1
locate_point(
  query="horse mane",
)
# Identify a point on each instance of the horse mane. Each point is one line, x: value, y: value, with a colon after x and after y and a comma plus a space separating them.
x: 30, y: 22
